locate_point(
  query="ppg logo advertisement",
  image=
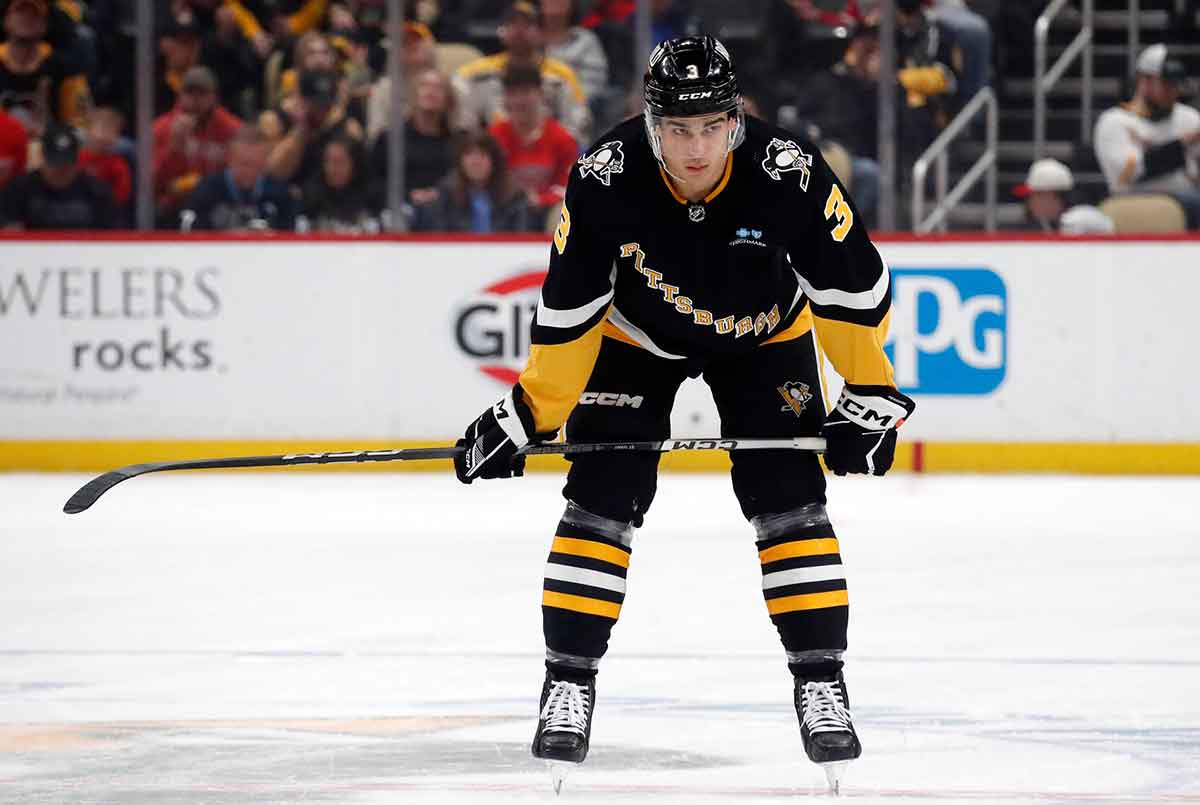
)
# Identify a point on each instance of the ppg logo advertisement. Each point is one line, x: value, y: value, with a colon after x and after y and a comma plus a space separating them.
x: 949, y: 332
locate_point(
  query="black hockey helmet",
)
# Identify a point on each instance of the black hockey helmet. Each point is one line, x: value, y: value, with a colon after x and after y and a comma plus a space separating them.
x: 690, y: 76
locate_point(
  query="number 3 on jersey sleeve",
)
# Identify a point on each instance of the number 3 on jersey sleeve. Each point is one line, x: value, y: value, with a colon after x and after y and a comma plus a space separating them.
x: 564, y: 229
x: 835, y: 205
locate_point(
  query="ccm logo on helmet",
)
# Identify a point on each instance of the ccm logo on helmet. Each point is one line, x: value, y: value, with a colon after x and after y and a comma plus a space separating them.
x: 609, y: 398
x: 694, y: 96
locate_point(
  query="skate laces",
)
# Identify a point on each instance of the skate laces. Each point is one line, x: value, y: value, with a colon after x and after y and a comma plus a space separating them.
x: 566, y: 708
x: 824, y: 708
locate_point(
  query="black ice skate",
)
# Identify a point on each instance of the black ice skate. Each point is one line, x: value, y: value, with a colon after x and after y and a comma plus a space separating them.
x: 822, y: 706
x: 564, y: 725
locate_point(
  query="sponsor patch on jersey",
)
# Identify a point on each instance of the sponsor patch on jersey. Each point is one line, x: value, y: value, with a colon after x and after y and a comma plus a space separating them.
x: 602, y: 163
x: 748, y: 237
x: 796, y: 396
x: 784, y: 156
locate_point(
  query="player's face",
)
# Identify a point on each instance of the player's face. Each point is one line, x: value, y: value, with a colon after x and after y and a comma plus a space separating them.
x: 694, y: 148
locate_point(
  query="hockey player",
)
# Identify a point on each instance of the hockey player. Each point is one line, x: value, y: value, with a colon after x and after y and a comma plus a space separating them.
x: 699, y: 242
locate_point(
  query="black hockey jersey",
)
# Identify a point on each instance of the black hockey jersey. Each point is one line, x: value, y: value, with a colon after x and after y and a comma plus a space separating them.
x: 773, y: 249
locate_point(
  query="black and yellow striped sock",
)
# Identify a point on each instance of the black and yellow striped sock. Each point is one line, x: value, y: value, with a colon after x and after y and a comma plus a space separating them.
x: 582, y: 594
x: 804, y: 585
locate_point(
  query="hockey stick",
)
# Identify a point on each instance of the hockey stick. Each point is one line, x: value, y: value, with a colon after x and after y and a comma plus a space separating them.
x: 90, y: 492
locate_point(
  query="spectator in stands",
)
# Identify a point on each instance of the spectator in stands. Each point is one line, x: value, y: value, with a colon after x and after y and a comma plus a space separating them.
x: 313, y: 51
x: 1046, y: 191
x: 38, y: 84
x: 99, y: 155
x: 1152, y: 143
x: 267, y: 22
x: 574, y: 46
x: 429, y: 139
x: 418, y: 55
x: 521, y: 34
x: 318, y: 117
x: 801, y: 39
x: 928, y: 64
x: 338, y: 198
x: 190, y: 141
x: 14, y: 148
x: 539, y: 151
x: 221, y: 47
x: 478, y: 196
x: 58, y: 195
x: 974, y: 37
x: 179, y: 41
x: 241, y: 197
x: 65, y: 33
x: 672, y: 18
x: 609, y: 20
x: 842, y: 103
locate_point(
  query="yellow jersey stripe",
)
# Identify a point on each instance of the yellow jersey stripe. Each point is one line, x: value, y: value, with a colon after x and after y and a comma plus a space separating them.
x: 806, y: 547
x: 577, y: 603
x: 856, y: 350
x: 802, y: 324
x: 556, y: 374
x: 592, y: 550
x: 796, y: 603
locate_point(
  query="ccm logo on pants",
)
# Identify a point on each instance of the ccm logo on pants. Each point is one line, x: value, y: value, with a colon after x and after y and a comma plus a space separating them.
x: 608, y: 398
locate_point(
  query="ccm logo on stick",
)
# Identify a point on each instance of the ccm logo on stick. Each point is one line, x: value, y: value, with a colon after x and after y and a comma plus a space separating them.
x: 609, y: 398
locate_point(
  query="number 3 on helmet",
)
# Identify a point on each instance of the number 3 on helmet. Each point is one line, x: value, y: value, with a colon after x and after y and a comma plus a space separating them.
x: 688, y: 77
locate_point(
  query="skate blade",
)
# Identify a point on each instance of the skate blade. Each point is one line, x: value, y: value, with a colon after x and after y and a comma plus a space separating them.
x: 559, y: 769
x: 833, y: 775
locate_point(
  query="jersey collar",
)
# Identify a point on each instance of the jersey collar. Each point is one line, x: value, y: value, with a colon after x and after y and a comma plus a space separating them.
x: 715, y: 191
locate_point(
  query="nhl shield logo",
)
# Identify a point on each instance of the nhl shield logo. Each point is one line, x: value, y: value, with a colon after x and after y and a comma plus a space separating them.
x: 784, y: 156
x: 696, y: 213
x: 603, y: 162
x: 796, y: 395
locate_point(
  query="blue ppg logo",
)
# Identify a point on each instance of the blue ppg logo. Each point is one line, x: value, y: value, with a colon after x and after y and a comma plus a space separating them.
x: 949, y: 330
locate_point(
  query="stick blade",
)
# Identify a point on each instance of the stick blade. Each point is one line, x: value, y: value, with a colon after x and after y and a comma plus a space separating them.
x: 90, y: 492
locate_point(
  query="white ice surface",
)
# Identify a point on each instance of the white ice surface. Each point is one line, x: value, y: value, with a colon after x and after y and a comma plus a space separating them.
x: 350, y: 638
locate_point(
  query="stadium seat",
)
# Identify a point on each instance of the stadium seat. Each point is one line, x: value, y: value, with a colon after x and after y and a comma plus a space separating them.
x: 452, y: 55
x: 1145, y: 213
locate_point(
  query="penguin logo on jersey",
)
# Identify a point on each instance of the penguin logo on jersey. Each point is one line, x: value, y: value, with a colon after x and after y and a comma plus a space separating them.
x: 603, y: 162
x: 797, y: 396
x: 784, y: 156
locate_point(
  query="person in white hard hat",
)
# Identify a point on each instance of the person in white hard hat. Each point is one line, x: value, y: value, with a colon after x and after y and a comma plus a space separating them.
x: 1046, y: 191
x: 1152, y: 143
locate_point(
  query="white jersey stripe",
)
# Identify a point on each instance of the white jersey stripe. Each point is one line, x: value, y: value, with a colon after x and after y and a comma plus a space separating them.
x: 862, y: 300
x: 803, y: 575
x: 633, y: 331
x: 581, y: 575
x: 552, y: 317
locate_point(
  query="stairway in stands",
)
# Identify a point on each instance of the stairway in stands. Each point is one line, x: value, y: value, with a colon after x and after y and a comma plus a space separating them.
x: 1063, y: 130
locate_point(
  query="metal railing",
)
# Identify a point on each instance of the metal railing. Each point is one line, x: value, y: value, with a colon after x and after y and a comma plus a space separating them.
x: 1044, y: 80
x: 1133, y: 33
x: 985, y: 99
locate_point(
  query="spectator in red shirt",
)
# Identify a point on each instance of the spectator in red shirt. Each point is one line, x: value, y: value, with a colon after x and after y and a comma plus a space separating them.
x: 539, y: 149
x: 191, y: 140
x: 14, y: 147
x: 100, y: 158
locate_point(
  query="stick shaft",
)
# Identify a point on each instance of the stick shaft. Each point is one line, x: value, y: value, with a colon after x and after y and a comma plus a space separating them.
x: 90, y: 492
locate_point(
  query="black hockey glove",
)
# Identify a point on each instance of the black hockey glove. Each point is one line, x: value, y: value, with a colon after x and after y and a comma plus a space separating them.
x: 492, y: 440
x: 860, y: 431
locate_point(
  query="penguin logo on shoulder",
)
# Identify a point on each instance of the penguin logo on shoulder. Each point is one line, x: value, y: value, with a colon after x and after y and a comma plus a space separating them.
x: 784, y: 156
x: 602, y: 163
